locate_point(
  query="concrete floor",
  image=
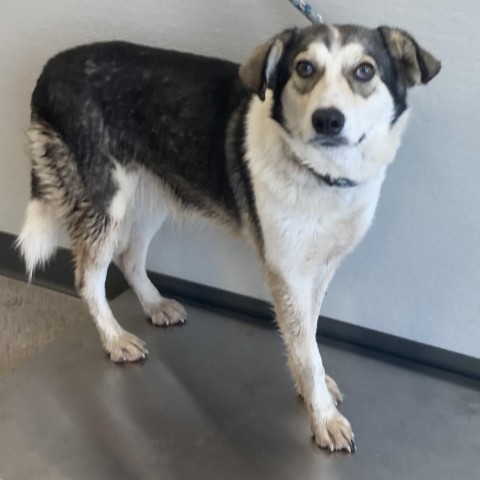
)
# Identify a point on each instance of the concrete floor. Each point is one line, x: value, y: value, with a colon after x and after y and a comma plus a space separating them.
x: 215, y: 401
x: 31, y: 317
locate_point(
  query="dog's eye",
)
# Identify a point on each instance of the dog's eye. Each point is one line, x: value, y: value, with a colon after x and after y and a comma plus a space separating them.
x: 364, y: 72
x: 304, y: 69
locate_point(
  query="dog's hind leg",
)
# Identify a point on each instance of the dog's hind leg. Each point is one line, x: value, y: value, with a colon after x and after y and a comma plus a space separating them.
x: 60, y: 195
x: 160, y: 310
x: 92, y: 258
x: 95, y: 232
x: 146, y: 217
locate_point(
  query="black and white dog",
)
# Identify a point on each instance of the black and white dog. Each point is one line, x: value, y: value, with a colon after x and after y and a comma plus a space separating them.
x: 289, y: 150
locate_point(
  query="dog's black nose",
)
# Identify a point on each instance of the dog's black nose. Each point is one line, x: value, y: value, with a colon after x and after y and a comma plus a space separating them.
x: 328, y: 121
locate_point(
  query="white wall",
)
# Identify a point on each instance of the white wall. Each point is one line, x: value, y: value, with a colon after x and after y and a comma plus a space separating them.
x: 417, y: 273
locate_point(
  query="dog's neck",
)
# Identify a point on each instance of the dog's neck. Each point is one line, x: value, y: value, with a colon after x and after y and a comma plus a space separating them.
x: 335, y: 182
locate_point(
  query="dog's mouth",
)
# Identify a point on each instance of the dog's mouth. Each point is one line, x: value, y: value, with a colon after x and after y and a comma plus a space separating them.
x: 329, y: 142
x: 334, y: 142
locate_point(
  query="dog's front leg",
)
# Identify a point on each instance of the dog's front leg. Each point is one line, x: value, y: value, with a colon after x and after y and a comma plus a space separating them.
x: 296, y: 301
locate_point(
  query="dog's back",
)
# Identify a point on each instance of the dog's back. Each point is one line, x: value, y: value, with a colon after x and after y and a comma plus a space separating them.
x: 105, y: 106
x: 161, y: 109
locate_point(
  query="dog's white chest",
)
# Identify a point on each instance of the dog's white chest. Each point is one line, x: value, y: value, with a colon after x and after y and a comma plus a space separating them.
x: 304, y: 228
x: 305, y: 223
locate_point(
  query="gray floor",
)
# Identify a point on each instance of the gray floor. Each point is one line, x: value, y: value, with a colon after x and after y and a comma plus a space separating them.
x: 215, y: 401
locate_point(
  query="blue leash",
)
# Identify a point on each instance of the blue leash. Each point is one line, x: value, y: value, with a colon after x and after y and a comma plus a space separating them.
x: 308, y: 11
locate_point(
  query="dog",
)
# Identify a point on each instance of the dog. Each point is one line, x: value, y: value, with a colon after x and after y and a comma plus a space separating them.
x: 288, y: 150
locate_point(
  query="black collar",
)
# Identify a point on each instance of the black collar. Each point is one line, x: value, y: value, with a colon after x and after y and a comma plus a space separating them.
x: 341, y: 182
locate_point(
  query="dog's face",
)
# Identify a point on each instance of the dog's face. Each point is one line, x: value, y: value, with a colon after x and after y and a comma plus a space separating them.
x: 335, y: 85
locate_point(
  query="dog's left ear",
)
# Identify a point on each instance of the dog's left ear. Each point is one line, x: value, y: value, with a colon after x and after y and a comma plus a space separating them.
x: 416, y: 64
x: 259, y: 72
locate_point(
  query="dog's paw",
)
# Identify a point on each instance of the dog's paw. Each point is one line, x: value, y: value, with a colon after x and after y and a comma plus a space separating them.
x: 334, y: 432
x: 126, y: 347
x: 335, y: 392
x: 168, y: 312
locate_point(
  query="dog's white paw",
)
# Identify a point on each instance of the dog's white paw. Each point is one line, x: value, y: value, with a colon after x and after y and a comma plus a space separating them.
x: 168, y: 312
x: 126, y: 347
x: 334, y: 432
x: 334, y: 390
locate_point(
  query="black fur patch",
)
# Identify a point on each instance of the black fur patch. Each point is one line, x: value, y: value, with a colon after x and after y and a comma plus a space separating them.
x: 137, y: 105
x: 392, y: 80
x: 35, y: 185
x: 283, y: 72
x: 240, y: 177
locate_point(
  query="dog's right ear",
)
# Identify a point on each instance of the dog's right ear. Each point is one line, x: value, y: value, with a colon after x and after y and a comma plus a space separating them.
x: 259, y: 71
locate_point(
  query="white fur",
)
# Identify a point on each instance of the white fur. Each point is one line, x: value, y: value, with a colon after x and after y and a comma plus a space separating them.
x: 300, y: 215
x: 121, y: 345
x: 147, y: 204
x: 126, y: 184
x: 38, y: 239
x: 309, y: 227
x: 145, y: 214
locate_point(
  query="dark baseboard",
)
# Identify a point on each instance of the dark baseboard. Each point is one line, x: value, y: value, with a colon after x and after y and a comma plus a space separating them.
x: 328, y: 328
x: 58, y: 275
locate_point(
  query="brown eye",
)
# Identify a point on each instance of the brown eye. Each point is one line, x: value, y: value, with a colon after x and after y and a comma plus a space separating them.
x: 304, y: 69
x: 364, y: 72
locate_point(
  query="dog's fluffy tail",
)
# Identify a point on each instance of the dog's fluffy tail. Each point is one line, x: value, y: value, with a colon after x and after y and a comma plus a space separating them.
x: 38, y: 239
x: 52, y: 170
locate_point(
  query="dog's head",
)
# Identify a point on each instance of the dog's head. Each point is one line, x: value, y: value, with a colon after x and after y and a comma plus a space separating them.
x: 335, y: 85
